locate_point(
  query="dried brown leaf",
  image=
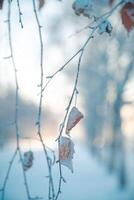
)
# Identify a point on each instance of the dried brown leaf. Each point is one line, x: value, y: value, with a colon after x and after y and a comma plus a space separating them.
x: 74, y: 117
x: 66, y: 152
x: 127, y: 16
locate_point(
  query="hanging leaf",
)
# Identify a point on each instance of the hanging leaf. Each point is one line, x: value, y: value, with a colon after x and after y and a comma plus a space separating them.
x: 41, y: 3
x: 127, y: 16
x: 28, y: 160
x: 66, y: 151
x: 1, y: 3
x: 74, y: 117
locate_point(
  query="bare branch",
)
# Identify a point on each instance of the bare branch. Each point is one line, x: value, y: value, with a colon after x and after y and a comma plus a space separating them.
x: 96, y: 19
x: 93, y: 28
x: 51, y: 184
x: 68, y: 108
x: 81, y: 51
x: 16, y: 99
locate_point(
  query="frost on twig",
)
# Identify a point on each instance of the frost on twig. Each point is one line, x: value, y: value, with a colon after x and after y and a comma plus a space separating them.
x: 51, y: 190
x: 16, y: 109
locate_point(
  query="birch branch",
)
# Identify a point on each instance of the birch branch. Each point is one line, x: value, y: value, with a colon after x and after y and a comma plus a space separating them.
x: 16, y: 103
x: 97, y: 20
x: 38, y: 123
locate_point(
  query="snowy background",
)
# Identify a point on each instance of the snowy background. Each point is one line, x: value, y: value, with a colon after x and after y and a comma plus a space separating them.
x: 104, y: 58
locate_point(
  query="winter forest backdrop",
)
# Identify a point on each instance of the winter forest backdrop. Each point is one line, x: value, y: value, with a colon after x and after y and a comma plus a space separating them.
x: 60, y: 65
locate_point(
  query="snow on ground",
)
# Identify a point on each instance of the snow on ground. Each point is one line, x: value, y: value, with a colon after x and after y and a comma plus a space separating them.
x: 90, y: 180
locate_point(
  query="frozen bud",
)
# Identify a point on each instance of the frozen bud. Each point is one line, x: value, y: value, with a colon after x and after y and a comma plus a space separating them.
x: 105, y: 26
x: 28, y: 160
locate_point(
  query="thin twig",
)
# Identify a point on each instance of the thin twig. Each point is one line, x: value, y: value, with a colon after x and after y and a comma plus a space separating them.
x: 68, y: 108
x: 20, y: 13
x: 75, y: 90
x: 109, y: 13
x: 96, y: 19
x: 60, y: 69
x: 99, y: 20
x: 16, y: 99
x: 49, y: 164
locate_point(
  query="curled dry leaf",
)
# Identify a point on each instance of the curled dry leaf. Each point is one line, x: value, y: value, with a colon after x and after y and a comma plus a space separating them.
x: 74, y: 117
x: 127, y: 16
x: 28, y: 160
x: 66, y: 151
x: 41, y: 3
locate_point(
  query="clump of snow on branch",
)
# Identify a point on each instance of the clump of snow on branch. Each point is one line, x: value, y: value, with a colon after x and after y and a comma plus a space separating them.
x: 66, y: 151
x: 74, y: 117
x: 83, y: 7
x: 105, y: 26
x: 28, y: 160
